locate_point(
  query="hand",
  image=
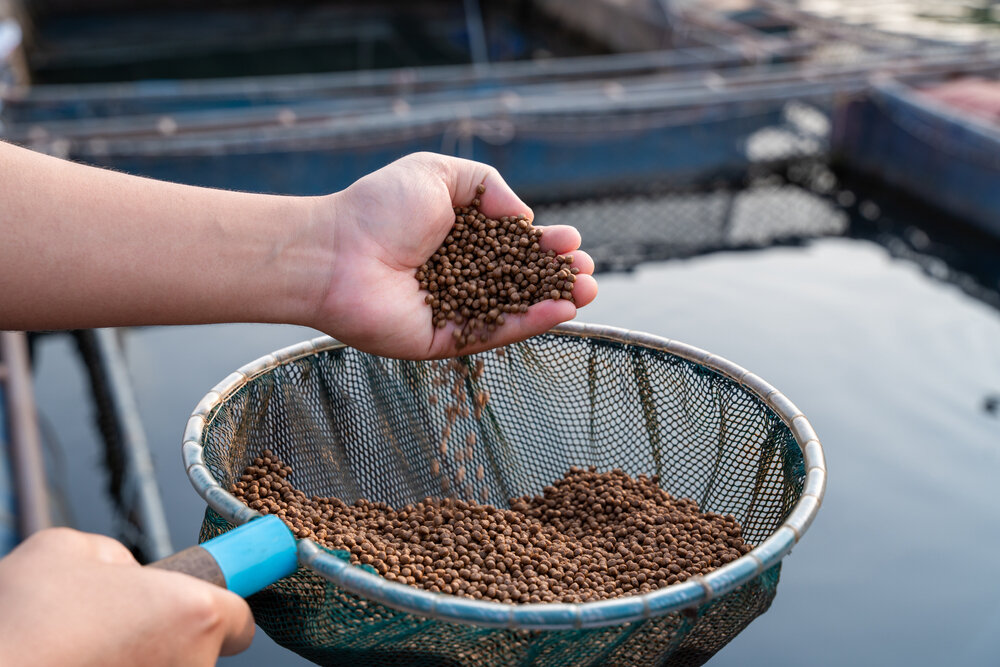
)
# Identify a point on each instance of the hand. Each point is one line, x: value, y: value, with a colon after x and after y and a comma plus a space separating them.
x: 389, y: 223
x: 69, y: 598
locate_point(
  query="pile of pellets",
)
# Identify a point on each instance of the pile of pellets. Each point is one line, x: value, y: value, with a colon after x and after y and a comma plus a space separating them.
x: 590, y: 536
x: 486, y: 269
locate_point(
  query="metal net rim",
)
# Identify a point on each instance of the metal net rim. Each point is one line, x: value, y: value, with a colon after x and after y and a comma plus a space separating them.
x: 538, y: 616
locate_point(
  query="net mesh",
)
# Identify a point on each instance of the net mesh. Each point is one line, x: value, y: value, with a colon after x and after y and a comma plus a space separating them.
x: 353, y: 426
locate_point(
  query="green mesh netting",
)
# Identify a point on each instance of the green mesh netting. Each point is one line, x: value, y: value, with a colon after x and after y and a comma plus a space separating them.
x: 352, y: 425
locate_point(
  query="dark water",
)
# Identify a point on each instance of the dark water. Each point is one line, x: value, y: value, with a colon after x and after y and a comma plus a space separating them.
x: 894, y: 367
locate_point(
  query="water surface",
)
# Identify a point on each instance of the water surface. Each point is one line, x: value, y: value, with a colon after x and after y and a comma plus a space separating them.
x: 893, y: 370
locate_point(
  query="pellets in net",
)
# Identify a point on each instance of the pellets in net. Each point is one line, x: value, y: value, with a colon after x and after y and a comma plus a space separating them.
x: 589, y: 536
x: 488, y: 268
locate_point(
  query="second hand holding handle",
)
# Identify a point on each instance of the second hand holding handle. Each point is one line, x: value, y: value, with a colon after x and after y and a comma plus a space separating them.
x: 244, y: 560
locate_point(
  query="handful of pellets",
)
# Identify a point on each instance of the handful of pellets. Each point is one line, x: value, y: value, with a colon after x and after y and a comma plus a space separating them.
x: 589, y: 536
x: 486, y: 269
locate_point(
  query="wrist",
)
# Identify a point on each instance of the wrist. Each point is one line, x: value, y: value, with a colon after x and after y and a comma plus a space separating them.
x: 300, y: 261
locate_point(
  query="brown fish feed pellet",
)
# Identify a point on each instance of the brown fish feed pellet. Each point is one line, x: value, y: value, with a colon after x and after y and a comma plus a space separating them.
x: 589, y: 536
x: 486, y: 269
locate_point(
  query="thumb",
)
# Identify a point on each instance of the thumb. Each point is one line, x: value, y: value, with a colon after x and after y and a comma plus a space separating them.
x: 463, y: 178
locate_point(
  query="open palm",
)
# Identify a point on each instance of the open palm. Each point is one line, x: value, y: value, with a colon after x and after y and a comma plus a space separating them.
x: 389, y: 223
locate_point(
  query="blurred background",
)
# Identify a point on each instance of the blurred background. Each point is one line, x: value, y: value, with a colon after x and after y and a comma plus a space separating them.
x: 809, y: 188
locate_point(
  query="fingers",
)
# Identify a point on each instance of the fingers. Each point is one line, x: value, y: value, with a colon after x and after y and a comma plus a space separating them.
x: 560, y: 238
x: 216, y: 619
x: 582, y: 261
x: 238, y: 625
x: 498, y: 200
x: 463, y: 178
x: 54, y: 542
x: 112, y: 552
x: 584, y: 289
x: 565, y: 240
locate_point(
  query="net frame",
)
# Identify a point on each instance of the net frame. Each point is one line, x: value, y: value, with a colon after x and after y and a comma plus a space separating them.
x: 692, y: 592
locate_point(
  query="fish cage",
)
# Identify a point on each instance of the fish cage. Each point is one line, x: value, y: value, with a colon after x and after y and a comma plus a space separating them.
x: 939, y: 128
x: 564, y: 98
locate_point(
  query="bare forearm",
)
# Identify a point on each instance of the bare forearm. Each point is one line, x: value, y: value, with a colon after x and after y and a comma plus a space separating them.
x: 85, y: 247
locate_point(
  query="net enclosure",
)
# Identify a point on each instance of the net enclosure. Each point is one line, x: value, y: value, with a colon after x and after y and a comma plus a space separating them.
x: 353, y: 425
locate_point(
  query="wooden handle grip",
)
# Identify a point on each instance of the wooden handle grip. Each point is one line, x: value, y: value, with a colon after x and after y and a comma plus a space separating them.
x: 194, y: 561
